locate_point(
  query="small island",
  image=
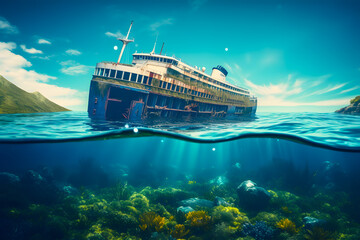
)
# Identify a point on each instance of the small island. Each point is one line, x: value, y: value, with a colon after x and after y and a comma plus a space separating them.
x: 353, y: 108
x: 15, y: 100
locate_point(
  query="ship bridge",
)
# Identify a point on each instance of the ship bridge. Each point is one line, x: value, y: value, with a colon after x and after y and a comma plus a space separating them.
x: 143, y: 57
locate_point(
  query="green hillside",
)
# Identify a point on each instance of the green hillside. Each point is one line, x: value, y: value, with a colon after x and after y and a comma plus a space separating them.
x: 15, y: 100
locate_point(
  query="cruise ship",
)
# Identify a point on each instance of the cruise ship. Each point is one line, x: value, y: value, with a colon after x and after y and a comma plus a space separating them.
x: 157, y: 86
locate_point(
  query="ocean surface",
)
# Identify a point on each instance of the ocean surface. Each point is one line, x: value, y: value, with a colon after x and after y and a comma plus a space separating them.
x: 66, y: 176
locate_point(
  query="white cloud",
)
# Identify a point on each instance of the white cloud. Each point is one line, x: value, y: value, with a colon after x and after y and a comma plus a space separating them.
x: 14, y: 68
x: 196, y: 4
x: 30, y: 50
x: 73, y: 52
x: 155, y: 26
x: 41, y: 57
x: 277, y: 101
x: 6, y: 27
x: 326, y: 90
x: 349, y: 90
x: 281, y: 94
x: 116, y: 35
x: 73, y: 68
x: 43, y: 41
x: 284, y: 89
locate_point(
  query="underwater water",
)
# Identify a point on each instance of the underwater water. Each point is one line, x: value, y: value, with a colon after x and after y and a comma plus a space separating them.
x: 277, y: 176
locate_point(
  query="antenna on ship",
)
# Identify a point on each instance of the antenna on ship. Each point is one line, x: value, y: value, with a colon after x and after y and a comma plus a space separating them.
x: 161, y: 48
x: 125, y: 41
x: 153, y: 51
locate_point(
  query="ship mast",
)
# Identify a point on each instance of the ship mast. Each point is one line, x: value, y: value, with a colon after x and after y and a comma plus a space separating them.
x: 125, y: 41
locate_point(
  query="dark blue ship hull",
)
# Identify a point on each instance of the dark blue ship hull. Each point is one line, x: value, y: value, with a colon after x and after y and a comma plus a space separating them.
x: 125, y: 103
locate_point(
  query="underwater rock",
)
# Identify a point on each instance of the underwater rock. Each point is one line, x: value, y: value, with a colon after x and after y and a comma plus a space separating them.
x: 218, y: 181
x: 196, y: 202
x: 37, y: 189
x: 165, y: 196
x: 220, y: 202
x: 7, y: 179
x: 252, y: 196
x: 311, y: 222
x: 184, y: 210
x: 33, y: 178
x: 70, y: 190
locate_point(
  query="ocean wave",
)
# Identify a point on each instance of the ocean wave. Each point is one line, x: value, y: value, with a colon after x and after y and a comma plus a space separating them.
x: 324, y: 130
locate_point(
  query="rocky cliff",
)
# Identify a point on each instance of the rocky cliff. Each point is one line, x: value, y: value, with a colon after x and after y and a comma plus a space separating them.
x: 353, y: 108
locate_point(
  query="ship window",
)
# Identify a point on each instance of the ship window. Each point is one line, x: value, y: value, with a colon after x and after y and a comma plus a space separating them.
x: 133, y: 77
x: 139, y: 78
x: 145, y: 79
x: 150, y: 80
x: 112, y: 73
x: 182, y: 89
x: 101, y: 72
x: 168, y: 86
x: 173, y: 87
x: 157, y: 59
x: 177, y: 88
x: 119, y: 74
x: 152, y: 58
x: 106, y: 72
x: 126, y: 76
x: 160, y: 84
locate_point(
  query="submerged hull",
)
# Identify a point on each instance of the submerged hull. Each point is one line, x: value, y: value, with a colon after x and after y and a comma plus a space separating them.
x: 112, y: 101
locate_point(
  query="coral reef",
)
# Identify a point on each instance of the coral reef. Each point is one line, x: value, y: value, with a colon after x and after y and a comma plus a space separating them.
x: 318, y: 234
x: 179, y: 231
x: 287, y: 226
x: 151, y: 221
x: 198, y: 219
x: 259, y: 231
x: 123, y: 211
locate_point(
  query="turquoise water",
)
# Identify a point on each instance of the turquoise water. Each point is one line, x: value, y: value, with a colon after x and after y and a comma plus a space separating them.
x: 65, y: 176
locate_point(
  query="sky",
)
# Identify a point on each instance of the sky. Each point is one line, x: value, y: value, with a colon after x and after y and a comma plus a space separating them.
x: 292, y: 55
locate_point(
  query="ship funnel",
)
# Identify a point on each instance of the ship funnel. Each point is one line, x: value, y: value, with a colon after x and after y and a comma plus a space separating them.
x: 219, y: 73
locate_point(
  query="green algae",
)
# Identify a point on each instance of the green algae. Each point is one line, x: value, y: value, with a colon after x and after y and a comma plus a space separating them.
x: 117, y: 212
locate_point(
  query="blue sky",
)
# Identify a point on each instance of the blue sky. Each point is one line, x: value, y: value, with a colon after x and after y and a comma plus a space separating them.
x: 293, y: 55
